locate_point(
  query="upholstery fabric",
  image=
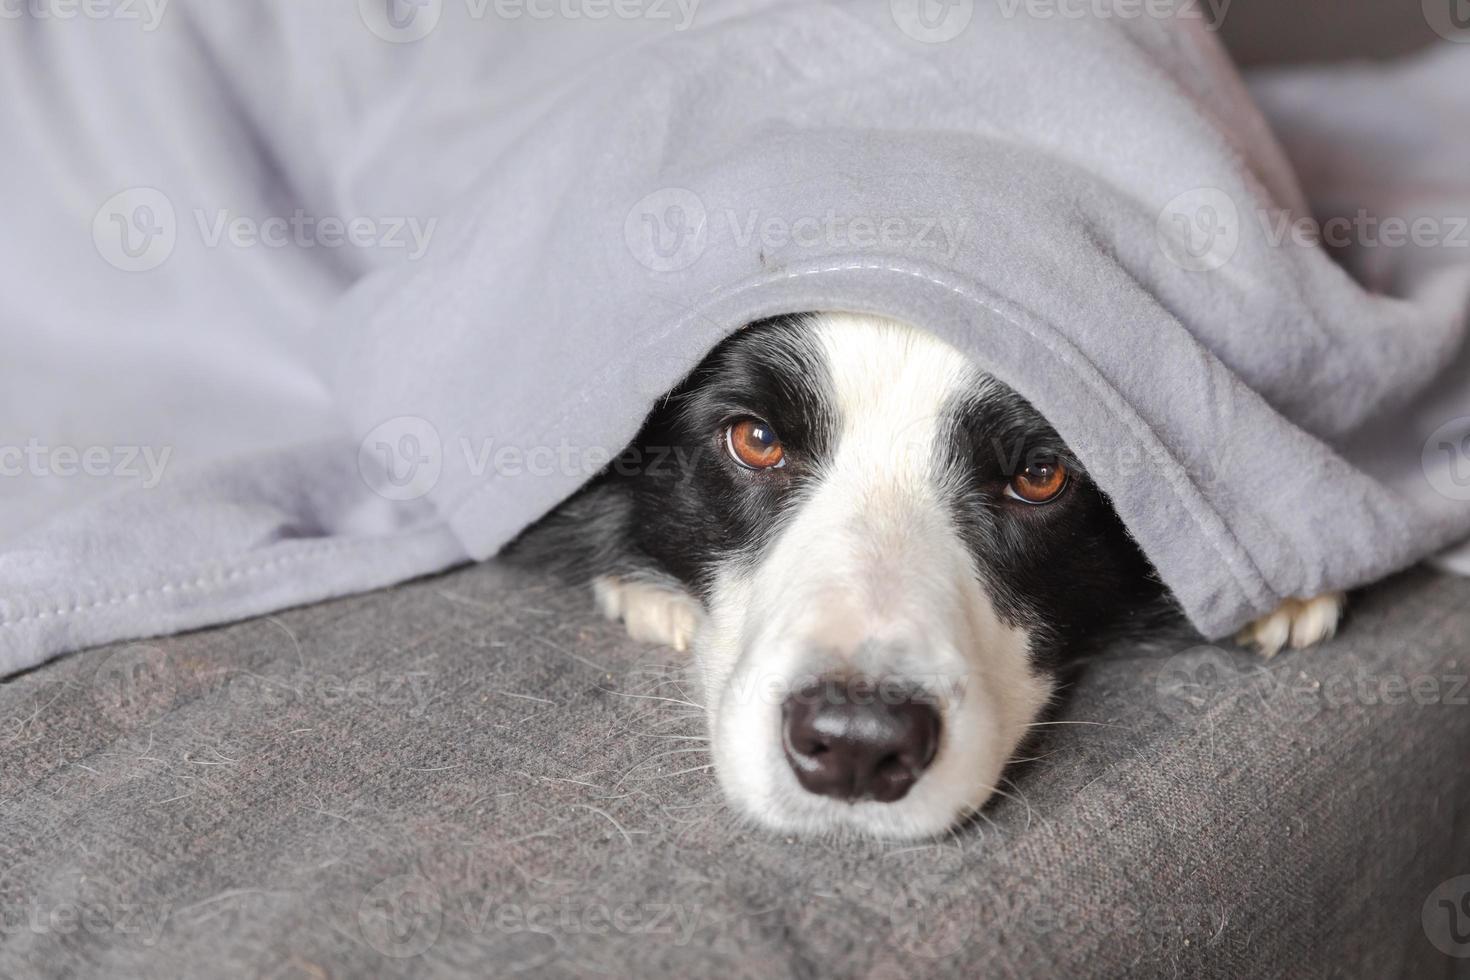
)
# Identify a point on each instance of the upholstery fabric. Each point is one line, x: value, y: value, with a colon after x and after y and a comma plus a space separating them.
x: 474, y: 775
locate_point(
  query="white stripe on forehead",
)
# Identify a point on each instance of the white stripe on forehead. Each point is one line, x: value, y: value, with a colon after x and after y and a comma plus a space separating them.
x: 891, y: 384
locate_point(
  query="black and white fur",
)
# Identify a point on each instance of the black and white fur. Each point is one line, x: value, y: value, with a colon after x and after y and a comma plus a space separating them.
x: 886, y: 545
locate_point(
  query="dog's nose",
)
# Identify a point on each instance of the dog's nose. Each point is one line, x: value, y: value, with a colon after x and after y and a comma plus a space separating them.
x: 857, y: 741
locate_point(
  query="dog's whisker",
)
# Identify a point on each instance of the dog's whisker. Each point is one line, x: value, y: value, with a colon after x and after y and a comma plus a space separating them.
x: 651, y: 760
x: 681, y: 772
x: 979, y: 813
x: 1018, y: 797
x: 674, y: 720
x: 665, y: 755
x: 651, y: 697
x: 684, y: 738
x: 1049, y: 724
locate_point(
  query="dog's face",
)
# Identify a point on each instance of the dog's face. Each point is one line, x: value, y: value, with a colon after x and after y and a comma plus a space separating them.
x: 893, y: 552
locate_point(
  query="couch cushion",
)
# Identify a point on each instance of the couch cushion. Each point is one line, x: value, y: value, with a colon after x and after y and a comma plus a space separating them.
x: 474, y: 773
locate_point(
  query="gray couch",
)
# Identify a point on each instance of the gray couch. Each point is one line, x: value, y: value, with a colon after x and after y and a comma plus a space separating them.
x: 473, y: 775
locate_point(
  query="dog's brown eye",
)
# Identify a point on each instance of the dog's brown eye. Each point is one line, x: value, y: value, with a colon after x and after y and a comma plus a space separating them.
x: 1040, y: 483
x: 754, y: 445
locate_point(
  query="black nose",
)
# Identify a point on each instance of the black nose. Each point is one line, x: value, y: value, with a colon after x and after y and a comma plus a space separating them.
x: 856, y: 740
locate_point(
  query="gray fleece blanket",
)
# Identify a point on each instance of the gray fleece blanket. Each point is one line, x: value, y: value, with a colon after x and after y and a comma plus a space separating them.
x: 305, y: 299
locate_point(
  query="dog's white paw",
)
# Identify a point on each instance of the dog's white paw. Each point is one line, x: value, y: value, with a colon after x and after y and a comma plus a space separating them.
x: 1298, y: 622
x: 653, y: 613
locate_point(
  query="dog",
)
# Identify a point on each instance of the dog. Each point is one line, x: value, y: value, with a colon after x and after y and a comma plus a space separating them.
x: 880, y: 558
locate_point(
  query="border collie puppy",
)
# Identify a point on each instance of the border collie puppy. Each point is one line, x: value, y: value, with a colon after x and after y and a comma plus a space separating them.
x: 879, y: 557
